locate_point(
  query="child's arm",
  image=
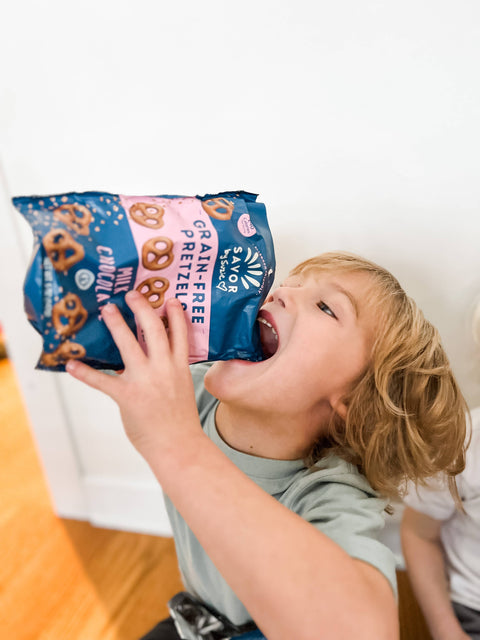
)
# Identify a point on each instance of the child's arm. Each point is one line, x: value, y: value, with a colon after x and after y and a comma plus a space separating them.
x: 425, y: 562
x: 294, y: 580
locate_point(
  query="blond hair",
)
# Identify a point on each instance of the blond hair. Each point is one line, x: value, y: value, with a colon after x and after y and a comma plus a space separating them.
x: 406, y: 416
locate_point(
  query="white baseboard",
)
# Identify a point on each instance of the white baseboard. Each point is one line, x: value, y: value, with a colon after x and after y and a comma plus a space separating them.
x: 129, y: 506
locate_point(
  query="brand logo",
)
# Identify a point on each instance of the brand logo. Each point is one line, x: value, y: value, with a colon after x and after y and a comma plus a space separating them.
x: 238, y: 268
x: 253, y: 273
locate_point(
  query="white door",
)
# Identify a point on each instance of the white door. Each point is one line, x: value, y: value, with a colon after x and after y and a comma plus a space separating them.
x: 92, y: 470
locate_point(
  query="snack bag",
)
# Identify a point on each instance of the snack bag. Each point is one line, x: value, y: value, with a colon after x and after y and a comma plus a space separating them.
x: 214, y: 253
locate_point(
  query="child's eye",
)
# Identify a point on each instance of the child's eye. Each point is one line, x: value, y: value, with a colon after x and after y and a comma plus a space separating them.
x: 326, y: 309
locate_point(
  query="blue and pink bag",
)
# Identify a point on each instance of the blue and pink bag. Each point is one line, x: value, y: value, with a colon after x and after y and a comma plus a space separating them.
x: 214, y: 253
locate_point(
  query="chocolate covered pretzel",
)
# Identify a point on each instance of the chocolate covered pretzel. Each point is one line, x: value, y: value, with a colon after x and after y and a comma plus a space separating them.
x: 62, y: 249
x: 69, y: 315
x: 76, y: 216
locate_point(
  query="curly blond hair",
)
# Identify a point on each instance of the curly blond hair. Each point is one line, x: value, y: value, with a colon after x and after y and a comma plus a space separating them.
x: 406, y: 416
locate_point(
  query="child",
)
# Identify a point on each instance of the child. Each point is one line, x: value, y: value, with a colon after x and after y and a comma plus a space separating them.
x: 440, y: 545
x: 277, y: 473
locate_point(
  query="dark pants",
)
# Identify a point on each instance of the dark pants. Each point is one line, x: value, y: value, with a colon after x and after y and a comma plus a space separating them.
x: 165, y: 630
x: 469, y: 619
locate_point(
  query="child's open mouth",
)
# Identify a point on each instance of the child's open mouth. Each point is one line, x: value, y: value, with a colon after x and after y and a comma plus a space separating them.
x: 268, y: 337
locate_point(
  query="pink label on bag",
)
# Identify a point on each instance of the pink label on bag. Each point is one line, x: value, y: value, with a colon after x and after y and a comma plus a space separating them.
x: 177, y: 246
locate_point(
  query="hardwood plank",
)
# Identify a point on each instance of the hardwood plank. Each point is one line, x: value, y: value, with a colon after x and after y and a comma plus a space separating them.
x: 412, y: 622
x: 65, y: 579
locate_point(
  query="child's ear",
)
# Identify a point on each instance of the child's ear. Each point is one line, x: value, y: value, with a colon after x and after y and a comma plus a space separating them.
x: 339, y: 407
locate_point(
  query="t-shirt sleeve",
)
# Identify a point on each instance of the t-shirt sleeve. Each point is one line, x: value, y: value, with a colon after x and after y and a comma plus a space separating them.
x: 352, y: 518
x: 433, y: 500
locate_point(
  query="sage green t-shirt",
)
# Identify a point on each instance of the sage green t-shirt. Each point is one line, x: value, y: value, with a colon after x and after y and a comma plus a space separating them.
x: 334, y: 497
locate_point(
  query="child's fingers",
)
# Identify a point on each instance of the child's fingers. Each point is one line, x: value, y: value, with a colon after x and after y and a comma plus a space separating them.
x: 178, y: 333
x: 123, y: 337
x: 159, y: 344
x: 151, y: 324
x: 91, y: 377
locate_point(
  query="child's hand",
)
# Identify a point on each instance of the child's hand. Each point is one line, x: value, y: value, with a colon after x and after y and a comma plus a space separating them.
x: 155, y: 392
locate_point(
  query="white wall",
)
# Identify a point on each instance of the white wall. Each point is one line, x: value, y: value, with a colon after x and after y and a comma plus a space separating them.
x: 356, y: 122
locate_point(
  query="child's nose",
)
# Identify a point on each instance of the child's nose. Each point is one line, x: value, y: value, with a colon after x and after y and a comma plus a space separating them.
x: 281, y: 296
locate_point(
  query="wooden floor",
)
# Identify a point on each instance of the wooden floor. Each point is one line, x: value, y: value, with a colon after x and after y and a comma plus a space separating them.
x: 66, y: 580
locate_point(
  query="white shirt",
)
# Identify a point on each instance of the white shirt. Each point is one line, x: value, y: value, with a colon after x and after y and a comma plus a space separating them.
x: 460, y: 533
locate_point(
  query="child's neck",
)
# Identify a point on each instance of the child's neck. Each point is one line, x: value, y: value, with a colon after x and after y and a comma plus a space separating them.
x: 266, y: 436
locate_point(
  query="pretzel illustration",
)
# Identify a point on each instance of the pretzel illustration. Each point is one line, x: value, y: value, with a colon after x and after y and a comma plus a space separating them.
x: 218, y: 208
x: 75, y: 216
x: 157, y: 257
x: 62, y: 249
x: 64, y: 352
x: 153, y: 289
x: 148, y: 215
x: 69, y: 315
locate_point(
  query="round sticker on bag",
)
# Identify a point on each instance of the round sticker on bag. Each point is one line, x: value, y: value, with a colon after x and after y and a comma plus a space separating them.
x: 84, y: 279
x: 246, y: 226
